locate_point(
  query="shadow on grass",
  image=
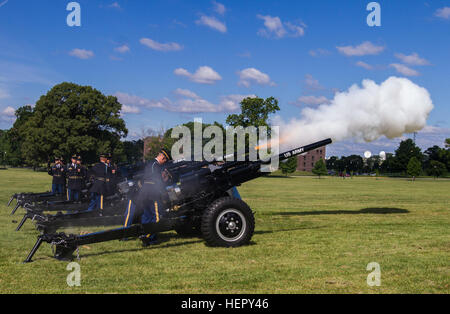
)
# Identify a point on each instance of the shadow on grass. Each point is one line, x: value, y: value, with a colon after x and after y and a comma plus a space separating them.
x: 285, y: 230
x: 372, y: 210
x: 161, y: 238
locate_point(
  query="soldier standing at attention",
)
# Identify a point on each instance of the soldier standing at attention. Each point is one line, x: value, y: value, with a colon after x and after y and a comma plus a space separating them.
x: 74, y: 180
x: 82, y: 173
x: 99, y: 172
x: 112, y: 175
x: 147, y: 201
x: 59, y: 177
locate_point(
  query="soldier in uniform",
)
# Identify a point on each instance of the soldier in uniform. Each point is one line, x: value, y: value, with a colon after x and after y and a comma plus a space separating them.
x: 147, y: 201
x: 83, y: 172
x: 112, y: 175
x: 59, y: 177
x: 74, y: 180
x: 99, y: 173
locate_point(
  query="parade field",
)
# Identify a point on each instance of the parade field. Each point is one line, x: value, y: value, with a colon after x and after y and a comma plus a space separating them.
x: 312, y: 236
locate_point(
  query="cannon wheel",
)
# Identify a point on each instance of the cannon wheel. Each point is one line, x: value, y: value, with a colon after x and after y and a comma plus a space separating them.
x: 228, y: 222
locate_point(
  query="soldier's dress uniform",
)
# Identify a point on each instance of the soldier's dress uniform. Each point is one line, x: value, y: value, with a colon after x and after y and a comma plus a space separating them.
x: 74, y: 181
x: 147, y: 202
x: 99, y: 172
x: 112, y: 176
x: 58, y: 172
x: 82, y: 173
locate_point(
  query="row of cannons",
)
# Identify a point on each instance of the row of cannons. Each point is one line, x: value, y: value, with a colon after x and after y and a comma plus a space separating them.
x: 197, y: 202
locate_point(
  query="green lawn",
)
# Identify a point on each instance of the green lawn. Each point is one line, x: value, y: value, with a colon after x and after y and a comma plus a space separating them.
x: 312, y: 236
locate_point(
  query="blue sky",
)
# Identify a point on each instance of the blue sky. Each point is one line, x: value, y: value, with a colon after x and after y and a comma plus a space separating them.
x: 170, y: 61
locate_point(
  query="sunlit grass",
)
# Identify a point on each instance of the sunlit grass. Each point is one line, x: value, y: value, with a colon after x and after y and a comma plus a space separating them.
x: 312, y: 236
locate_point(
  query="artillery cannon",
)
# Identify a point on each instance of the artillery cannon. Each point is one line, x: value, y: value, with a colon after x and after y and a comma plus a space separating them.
x: 30, y: 198
x: 196, y: 200
x: 76, y: 215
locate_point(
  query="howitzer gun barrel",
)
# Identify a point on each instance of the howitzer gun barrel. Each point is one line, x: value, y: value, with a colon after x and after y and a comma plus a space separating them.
x: 304, y: 149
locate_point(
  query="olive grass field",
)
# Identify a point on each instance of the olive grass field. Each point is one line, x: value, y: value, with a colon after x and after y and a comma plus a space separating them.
x: 312, y: 236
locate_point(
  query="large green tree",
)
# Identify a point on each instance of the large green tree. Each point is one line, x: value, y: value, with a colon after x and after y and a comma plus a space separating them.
x: 73, y: 119
x: 4, y: 147
x: 289, y: 166
x: 414, y: 167
x: 254, y: 112
x: 353, y: 163
x: 406, y: 150
x: 320, y: 168
x: 156, y: 142
x: 436, y: 169
x: 16, y: 136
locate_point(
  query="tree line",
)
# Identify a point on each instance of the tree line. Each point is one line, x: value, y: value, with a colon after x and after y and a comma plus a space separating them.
x: 408, y: 159
x: 78, y: 119
x: 72, y: 118
x: 69, y: 119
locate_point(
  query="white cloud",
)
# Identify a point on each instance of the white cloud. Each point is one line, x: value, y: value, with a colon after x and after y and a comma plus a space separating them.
x: 274, y: 27
x: 3, y: 3
x: 319, y: 52
x: 230, y: 103
x: 114, y: 5
x: 8, y: 115
x: 252, y: 75
x: 81, y: 53
x: 312, y: 100
x: 412, y: 59
x: 364, y: 65
x: 159, y: 46
x: 213, y: 23
x: 295, y: 30
x: 366, y: 48
x: 403, y: 69
x: 185, y: 101
x: 185, y: 93
x: 122, y: 49
x: 203, y: 75
x: 196, y: 104
x: 392, y: 108
x: 312, y: 84
x: 130, y: 109
x: 219, y: 8
x: 443, y: 13
x: 9, y: 112
x: 132, y: 100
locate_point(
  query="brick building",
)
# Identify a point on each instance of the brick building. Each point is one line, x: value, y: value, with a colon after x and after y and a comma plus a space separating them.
x: 306, y: 162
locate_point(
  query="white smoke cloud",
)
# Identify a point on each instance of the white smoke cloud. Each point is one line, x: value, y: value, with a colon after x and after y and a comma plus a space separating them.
x: 393, y: 108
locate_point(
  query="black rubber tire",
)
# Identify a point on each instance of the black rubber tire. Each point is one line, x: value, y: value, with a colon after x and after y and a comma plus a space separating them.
x: 189, y: 229
x: 214, y: 218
